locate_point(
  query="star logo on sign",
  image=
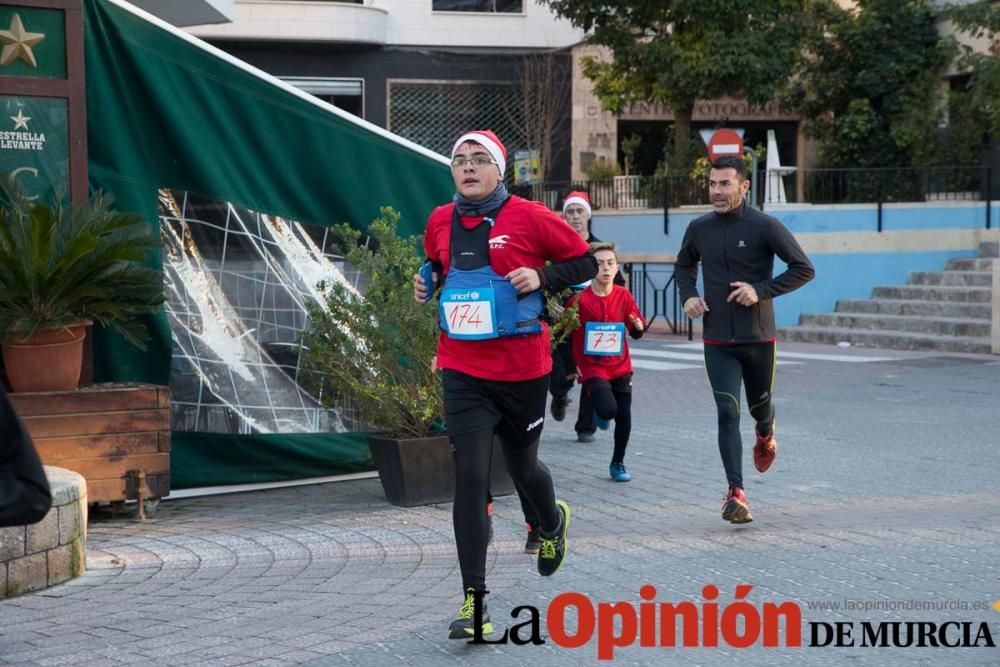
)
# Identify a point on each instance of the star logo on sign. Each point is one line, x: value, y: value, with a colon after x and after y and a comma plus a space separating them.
x: 20, y: 120
x: 17, y: 43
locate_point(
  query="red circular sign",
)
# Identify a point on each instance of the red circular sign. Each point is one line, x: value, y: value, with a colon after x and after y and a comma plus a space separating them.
x: 724, y: 142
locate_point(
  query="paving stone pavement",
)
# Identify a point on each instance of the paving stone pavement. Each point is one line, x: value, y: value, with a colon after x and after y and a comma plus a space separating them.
x: 884, y: 491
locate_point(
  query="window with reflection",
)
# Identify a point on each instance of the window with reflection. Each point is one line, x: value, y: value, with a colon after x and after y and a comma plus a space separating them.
x: 482, y: 6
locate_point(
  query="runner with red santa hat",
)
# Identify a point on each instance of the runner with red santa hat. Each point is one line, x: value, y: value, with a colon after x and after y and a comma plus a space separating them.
x: 491, y: 255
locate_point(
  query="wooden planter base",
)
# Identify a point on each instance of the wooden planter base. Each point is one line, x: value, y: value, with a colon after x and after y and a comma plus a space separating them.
x: 420, y: 471
x: 109, y: 433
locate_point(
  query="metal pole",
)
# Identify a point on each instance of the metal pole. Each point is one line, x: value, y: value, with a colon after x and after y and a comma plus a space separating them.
x: 988, y: 189
x: 995, y: 309
x: 666, y: 209
x: 879, y: 197
x: 753, y: 175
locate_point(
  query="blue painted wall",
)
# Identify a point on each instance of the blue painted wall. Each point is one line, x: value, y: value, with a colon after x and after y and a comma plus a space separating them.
x: 845, y: 275
x: 895, y: 217
x: 643, y: 232
x: 852, y: 276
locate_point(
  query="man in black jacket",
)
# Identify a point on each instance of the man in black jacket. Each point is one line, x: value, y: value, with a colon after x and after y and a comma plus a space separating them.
x: 736, y: 245
x: 24, y: 490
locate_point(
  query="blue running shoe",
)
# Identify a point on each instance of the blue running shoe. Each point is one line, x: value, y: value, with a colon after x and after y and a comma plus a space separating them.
x: 601, y: 423
x: 619, y: 474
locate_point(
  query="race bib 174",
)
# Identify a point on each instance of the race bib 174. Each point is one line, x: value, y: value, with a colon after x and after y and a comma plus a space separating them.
x: 469, y: 313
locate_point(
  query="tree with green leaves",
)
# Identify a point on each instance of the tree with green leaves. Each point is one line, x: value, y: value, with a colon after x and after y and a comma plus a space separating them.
x: 541, y: 102
x: 677, y: 52
x: 980, y: 20
x: 868, y: 86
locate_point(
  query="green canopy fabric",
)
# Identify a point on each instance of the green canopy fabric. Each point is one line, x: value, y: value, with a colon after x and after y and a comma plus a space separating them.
x: 166, y: 110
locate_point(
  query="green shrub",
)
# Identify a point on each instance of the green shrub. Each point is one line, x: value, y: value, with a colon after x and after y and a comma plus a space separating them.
x: 374, y: 350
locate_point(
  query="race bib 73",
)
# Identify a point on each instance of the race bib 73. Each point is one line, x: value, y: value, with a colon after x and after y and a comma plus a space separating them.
x: 604, y: 338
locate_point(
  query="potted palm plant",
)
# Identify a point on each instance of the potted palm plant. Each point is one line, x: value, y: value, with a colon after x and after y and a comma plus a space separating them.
x: 369, y: 353
x: 63, y: 267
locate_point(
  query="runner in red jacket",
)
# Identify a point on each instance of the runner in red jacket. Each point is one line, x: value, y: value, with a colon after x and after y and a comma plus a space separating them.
x: 492, y: 254
x: 606, y: 312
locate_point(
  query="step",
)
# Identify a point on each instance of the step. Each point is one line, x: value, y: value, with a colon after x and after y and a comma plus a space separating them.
x: 970, y: 264
x: 938, y: 326
x: 886, y: 340
x: 972, y: 311
x: 952, y: 278
x: 989, y: 248
x: 933, y: 293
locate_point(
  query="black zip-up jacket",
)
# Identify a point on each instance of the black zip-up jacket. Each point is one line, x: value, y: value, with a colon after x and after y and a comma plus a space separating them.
x: 739, y: 246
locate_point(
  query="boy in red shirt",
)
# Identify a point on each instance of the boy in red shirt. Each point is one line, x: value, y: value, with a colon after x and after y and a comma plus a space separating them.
x: 606, y: 311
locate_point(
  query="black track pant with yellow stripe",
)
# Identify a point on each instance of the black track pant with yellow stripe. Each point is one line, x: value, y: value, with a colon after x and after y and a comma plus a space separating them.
x: 751, y: 364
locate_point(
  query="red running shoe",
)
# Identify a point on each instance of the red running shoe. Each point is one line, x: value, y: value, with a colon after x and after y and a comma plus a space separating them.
x: 735, y: 509
x: 764, y: 451
x: 534, y: 541
x: 489, y: 518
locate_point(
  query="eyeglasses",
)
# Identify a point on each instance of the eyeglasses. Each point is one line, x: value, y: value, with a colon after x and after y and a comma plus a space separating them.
x: 478, y: 162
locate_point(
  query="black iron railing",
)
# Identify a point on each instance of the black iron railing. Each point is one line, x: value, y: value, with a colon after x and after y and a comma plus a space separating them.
x: 819, y: 186
x: 654, y: 287
x: 620, y: 192
x: 897, y: 185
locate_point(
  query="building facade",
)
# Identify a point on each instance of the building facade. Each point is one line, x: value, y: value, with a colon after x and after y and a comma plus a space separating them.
x: 424, y: 69
x: 598, y: 134
x: 430, y: 69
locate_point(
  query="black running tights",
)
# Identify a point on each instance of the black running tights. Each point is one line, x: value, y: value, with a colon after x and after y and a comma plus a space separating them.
x: 751, y: 364
x: 609, y: 404
x: 472, y: 479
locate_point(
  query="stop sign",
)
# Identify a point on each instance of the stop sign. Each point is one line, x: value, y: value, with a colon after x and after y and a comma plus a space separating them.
x: 724, y: 142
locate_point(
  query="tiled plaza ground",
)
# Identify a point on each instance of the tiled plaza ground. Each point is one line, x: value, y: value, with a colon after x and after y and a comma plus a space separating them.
x: 885, y: 489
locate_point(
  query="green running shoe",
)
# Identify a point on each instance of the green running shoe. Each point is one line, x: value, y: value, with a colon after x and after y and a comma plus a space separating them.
x: 464, y: 627
x: 553, y: 549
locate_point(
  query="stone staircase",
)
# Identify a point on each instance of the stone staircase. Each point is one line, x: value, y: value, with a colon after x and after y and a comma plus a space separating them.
x: 946, y: 310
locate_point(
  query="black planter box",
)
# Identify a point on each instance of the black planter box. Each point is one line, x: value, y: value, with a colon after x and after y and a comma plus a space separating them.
x: 420, y: 471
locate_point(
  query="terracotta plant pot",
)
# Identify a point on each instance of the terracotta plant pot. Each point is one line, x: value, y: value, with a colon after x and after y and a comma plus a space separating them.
x: 48, y: 361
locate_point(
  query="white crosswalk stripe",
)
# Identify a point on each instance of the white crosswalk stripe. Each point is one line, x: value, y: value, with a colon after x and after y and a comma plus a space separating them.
x: 848, y: 358
x: 659, y: 365
x: 681, y: 356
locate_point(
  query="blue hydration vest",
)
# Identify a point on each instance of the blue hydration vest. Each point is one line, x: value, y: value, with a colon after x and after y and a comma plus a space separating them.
x: 476, y: 302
